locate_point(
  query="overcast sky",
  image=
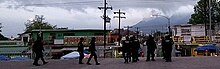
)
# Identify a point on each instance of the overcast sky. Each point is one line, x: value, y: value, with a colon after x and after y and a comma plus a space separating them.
x: 84, y: 14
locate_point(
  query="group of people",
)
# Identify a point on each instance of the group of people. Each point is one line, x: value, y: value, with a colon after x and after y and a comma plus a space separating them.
x: 131, y: 47
x: 38, y: 49
x: 167, y: 43
x: 92, y: 51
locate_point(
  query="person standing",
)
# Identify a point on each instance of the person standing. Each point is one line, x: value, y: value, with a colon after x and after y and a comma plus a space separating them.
x: 135, y: 48
x: 92, y: 50
x: 81, y: 50
x: 38, y: 50
x: 151, y: 46
x: 168, y: 48
x: 126, y: 49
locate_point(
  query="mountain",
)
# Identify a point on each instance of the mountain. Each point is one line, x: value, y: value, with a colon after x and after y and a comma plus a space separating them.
x: 160, y: 23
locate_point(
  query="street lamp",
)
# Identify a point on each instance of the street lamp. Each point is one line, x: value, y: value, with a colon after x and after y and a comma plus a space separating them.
x: 170, y: 33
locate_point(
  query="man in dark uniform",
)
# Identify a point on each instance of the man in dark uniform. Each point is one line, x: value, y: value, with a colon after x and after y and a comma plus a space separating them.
x: 168, y: 48
x: 126, y: 49
x: 38, y: 50
x: 92, y: 50
x: 135, y: 48
x: 81, y: 50
x: 151, y: 46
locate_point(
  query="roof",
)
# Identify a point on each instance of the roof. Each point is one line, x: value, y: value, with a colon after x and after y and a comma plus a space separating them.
x: 186, y: 25
x: 59, y: 30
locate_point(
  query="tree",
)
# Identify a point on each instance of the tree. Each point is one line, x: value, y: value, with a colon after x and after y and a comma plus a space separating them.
x: 201, y: 15
x: 1, y: 36
x: 38, y: 23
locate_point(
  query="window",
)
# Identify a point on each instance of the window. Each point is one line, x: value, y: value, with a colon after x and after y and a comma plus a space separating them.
x: 185, y: 31
x: 52, y: 36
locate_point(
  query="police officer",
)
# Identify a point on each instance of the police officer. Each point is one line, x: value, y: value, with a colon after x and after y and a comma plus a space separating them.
x: 126, y: 49
x: 151, y: 46
x: 168, y: 48
x: 81, y: 50
x: 92, y: 50
x: 135, y: 48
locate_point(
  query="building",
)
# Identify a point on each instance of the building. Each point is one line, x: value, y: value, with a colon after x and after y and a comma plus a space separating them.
x: 114, y: 34
x: 13, y: 49
x: 187, y: 38
x: 59, y: 42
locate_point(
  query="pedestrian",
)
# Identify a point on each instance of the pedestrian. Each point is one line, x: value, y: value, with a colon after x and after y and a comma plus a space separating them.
x: 81, y: 50
x: 151, y: 46
x: 163, y: 46
x: 168, y: 48
x: 38, y: 50
x: 92, y: 50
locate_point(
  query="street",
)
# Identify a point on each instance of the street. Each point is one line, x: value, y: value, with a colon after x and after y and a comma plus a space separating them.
x: 117, y: 63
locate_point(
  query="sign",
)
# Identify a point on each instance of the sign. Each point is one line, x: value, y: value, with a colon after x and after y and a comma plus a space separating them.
x: 187, y: 38
x: 58, y: 41
x: 74, y: 40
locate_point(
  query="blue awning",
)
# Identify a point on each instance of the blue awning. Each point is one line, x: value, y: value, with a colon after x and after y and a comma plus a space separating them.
x: 3, y: 58
x: 19, y: 59
x: 210, y: 47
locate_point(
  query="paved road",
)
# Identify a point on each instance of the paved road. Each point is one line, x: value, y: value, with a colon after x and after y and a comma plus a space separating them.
x: 117, y: 63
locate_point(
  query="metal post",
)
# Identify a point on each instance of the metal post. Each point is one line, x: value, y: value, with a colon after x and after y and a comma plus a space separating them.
x: 104, y: 27
x: 119, y: 22
x: 210, y: 21
x: 104, y: 16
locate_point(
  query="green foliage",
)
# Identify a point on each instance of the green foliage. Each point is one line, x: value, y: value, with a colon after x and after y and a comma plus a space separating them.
x: 37, y: 24
x: 201, y: 15
x: 3, y: 37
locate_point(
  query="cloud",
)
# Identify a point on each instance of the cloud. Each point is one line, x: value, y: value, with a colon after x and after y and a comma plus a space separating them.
x: 84, y: 13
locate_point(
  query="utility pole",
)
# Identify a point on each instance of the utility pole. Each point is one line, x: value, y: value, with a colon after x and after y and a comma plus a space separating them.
x: 119, y: 23
x: 104, y: 16
x: 210, y: 21
x: 128, y: 27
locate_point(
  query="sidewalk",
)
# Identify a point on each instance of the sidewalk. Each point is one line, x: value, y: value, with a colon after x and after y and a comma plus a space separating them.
x: 117, y: 63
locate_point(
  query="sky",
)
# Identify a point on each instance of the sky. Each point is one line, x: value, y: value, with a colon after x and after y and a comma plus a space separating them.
x: 84, y: 14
